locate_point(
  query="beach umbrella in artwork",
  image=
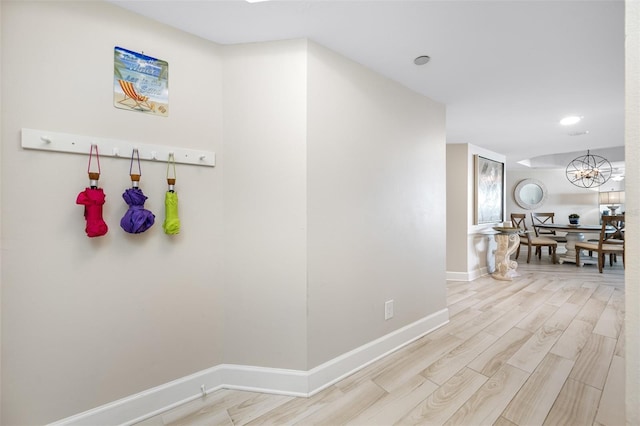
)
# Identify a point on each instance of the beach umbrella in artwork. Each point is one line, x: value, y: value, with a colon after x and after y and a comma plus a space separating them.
x: 137, y: 219
x: 93, y: 198
x: 171, y: 223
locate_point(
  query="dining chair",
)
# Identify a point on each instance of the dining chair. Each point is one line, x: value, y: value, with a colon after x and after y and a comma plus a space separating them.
x: 526, y: 238
x: 615, y: 238
x: 610, y: 241
x: 545, y: 219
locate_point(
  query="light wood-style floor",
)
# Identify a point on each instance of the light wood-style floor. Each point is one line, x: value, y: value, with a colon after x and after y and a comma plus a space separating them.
x: 544, y: 349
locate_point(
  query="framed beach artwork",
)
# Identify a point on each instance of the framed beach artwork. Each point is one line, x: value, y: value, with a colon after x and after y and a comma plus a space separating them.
x: 489, y: 194
x: 140, y: 82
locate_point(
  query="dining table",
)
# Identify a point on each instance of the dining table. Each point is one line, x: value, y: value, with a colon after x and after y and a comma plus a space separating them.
x: 575, y: 233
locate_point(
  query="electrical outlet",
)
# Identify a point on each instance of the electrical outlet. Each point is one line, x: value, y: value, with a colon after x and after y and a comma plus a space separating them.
x: 388, y: 309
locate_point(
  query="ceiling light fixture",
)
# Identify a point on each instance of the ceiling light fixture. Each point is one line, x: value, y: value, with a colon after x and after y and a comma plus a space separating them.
x: 586, y: 132
x: 570, y: 120
x: 589, y: 171
x: 421, y: 60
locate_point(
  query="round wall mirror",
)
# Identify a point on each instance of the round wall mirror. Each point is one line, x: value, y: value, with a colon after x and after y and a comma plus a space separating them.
x: 530, y: 194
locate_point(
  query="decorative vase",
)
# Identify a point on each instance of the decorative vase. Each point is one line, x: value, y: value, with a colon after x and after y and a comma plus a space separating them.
x: 574, y: 220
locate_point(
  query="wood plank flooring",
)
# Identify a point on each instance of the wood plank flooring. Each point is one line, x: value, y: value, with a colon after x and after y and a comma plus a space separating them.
x: 544, y: 349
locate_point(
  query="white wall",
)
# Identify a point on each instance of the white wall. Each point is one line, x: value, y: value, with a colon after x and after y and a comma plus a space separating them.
x: 87, y: 321
x: 471, y: 246
x: 269, y: 268
x: 265, y: 192
x: 632, y: 215
x: 297, y: 191
x: 1, y: 239
x: 376, y: 205
x: 458, y: 175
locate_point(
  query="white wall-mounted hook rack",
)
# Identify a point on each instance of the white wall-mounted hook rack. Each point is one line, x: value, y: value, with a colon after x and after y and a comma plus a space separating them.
x: 77, y: 144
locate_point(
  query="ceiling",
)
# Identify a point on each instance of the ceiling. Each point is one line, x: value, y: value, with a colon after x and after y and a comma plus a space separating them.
x: 507, y: 71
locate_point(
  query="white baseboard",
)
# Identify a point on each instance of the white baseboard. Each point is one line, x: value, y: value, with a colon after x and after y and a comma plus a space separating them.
x: 457, y: 276
x: 467, y: 276
x: 154, y: 401
x: 346, y: 364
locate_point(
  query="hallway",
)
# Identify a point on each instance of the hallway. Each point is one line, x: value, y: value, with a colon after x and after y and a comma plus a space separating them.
x: 545, y: 349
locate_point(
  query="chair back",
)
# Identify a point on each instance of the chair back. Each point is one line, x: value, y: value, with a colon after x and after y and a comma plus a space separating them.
x: 519, y: 220
x: 612, y: 229
x: 542, y: 219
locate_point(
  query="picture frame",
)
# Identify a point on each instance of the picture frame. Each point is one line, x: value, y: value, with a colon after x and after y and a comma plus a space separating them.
x: 140, y: 82
x: 489, y: 190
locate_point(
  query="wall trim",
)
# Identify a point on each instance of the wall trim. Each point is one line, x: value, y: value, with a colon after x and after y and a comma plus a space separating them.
x: 152, y: 402
x: 467, y: 276
x: 346, y: 364
x: 458, y: 276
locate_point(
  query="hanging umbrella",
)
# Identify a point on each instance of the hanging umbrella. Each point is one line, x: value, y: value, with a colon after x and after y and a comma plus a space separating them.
x: 137, y: 219
x: 92, y: 198
x: 171, y: 223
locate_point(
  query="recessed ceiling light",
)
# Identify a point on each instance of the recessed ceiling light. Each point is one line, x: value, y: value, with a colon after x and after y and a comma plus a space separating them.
x: 255, y: 1
x: 586, y: 132
x: 421, y: 60
x: 572, y: 119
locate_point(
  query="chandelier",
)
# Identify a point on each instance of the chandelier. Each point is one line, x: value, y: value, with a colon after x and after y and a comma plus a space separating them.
x: 589, y: 171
